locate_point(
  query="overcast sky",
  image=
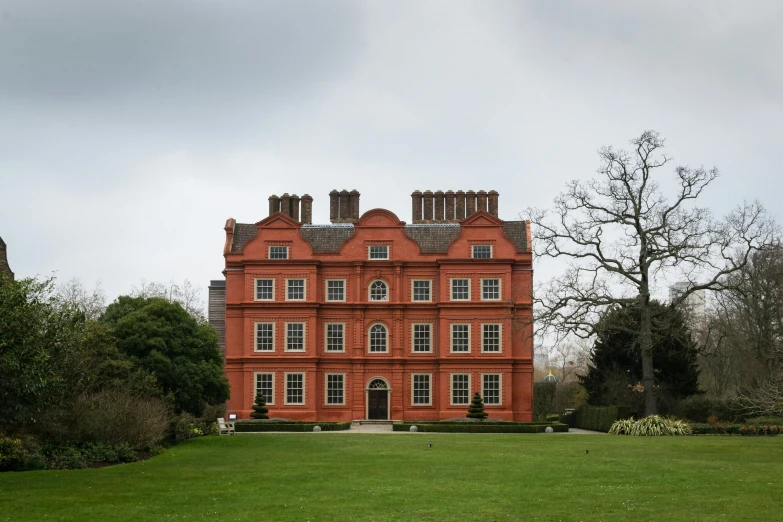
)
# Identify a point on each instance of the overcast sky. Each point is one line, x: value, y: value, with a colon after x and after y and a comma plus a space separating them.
x: 131, y: 130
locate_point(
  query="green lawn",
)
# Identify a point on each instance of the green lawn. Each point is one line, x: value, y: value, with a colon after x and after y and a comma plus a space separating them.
x: 341, y: 476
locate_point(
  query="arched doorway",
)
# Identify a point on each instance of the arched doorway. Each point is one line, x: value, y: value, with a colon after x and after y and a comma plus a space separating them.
x: 377, y: 399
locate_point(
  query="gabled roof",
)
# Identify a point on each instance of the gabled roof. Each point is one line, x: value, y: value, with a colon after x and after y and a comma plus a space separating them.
x: 432, y: 238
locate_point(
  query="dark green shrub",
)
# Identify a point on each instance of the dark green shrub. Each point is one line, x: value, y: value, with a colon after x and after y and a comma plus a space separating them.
x: 255, y: 426
x: 64, y: 457
x: 543, y: 398
x: 259, y: 408
x: 106, y: 453
x: 110, y: 416
x: 476, y: 408
x: 702, y: 428
x: 552, y: 417
x: 12, y: 454
x: 499, y: 427
x: 597, y: 418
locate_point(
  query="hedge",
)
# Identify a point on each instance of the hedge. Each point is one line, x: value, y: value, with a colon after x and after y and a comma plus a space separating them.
x: 469, y: 427
x: 261, y: 426
x: 596, y: 418
x: 700, y: 428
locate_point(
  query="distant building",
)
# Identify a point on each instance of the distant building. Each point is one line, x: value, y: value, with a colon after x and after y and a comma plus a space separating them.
x: 4, y: 268
x: 694, y: 306
x: 368, y: 317
x: 541, y: 358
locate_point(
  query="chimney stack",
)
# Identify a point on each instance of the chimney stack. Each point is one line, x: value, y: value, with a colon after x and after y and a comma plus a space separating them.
x: 460, y: 205
x: 481, y: 200
x: 416, y: 206
x: 427, y: 206
x: 294, y: 207
x: 355, y: 204
x: 449, y: 216
x: 439, y: 206
x: 307, y: 209
x: 274, y: 204
x: 470, y: 203
x: 493, y: 202
x: 285, y: 204
x: 334, y: 206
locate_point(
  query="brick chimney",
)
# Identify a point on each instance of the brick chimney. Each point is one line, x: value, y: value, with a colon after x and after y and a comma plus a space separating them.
x: 449, y: 216
x: 470, y: 203
x: 307, y: 209
x: 460, y: 205
x: 334, y: 206
x: 355, y: 204
x: 428, y: 205
x: 439, y: 206
x: 481, y: 200
x: 274, y: 204
x: 416, y: 206
x: 492, y: 196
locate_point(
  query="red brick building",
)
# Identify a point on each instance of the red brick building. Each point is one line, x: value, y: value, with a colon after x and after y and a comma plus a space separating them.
x: 372, y: 318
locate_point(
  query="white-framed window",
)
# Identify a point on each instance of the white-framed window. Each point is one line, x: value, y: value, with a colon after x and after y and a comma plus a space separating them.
x: 295, y: 289
x: 490, y: 289
x: 490, y: 385
x: 482, y: 251
x: 379, y: 291
x: 422, y: 337
x: 265, y: 383
x: 379, y: 338
x: 460, y: 337
x: 265, y: 289
x: 265, y: 337
x: 335, y: 388
x: 491, y: 337
x: 421, y: 389
x: 460, y: 389
x: 294, y: 337
x: 421, y: 290
x: 335, y: 337
x: 460, y: 289
x: 278, y: 252
x: 335, y: 289
x: 295, y: 388
x: 378, y: 252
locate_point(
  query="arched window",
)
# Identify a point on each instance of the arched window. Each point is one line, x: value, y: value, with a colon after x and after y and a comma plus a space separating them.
x: 379, y: 291
x: 377, y: 384
x: 378, y: 338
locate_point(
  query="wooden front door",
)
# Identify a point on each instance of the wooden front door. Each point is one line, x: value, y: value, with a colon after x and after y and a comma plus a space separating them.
x: 378, y: 404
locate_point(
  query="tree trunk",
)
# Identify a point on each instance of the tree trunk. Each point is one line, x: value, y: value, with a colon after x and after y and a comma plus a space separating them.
x: 648, y: 372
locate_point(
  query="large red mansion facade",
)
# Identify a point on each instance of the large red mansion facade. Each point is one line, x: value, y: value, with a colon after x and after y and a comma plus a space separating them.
x: 372, y: 318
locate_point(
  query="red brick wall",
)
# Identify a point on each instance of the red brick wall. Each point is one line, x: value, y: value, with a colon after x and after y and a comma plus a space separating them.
x: 406, y: 263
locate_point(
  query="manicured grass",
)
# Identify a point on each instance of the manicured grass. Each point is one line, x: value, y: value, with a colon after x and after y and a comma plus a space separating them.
x: 342, y: 476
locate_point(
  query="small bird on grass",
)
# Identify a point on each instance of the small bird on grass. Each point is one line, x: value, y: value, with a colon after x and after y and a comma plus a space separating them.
x: 587, y: 451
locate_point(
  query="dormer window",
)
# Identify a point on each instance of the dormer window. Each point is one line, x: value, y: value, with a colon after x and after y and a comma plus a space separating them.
x: 379, y: 291
x: 278, y: 252
x: 379, y: 252
x: 482, y: 251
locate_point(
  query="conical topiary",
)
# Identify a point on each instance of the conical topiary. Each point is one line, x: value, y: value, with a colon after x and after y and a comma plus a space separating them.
x: 476, y: 408
x: 259, y: 408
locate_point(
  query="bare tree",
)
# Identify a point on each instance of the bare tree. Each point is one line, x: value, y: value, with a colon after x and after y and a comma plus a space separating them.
x: 767, y: 399
x: 619, y: 233
x: 186, y: 294
x: 90, y: 302
x: 570, y: 359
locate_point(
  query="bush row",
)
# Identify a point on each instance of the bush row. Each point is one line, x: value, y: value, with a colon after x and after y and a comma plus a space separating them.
x: 26, y: 454
x: 701, y: 428
x: 453, y: 427
x: 261, y: 426
x: 596, y: 418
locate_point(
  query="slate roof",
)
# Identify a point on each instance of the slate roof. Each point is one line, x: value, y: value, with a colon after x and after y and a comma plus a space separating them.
x: 517, y: 232
x: 243, y: 232
x: 431, y: 238
x: 325, y: 238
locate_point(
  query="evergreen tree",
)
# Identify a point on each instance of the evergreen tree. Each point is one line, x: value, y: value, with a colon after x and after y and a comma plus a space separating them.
x: 616, y: 360
x: 476, y: 409
x: 259, y: 408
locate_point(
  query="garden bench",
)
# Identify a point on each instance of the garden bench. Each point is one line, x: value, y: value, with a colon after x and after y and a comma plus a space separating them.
x: 225, y: 428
